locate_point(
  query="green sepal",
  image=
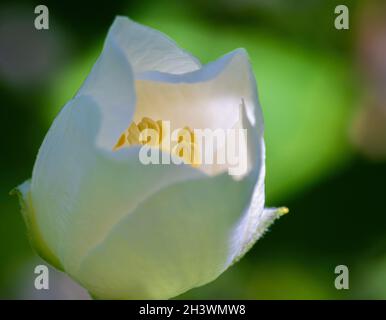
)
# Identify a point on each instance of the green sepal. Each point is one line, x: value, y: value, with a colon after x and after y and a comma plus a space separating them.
x: 34, y: 234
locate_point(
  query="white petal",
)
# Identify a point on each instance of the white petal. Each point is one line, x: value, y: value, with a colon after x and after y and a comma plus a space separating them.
x: 176, y: 240
x: 111, y: 84
x: 207, y: 98
x: 111, y: 81
x: 252, y: 227
x: 255, y: 218
x: 81, y: 195
x: 148, y: 49
x: 79, y: 191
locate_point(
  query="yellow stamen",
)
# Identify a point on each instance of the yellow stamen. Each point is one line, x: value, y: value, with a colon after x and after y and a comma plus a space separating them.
x: 160, y: 126
x: 133, y: 134
x: 121, y: 141
x: 186, y: 147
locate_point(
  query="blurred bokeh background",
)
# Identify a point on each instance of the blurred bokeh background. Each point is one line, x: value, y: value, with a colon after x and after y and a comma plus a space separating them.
x: 323, y: 93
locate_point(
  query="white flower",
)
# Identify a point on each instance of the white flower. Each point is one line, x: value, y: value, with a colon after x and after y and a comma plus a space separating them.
x: 126, y: 230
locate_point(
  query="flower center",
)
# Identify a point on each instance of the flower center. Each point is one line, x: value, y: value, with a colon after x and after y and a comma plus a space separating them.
x: 154, y: 134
